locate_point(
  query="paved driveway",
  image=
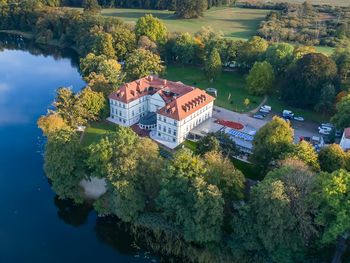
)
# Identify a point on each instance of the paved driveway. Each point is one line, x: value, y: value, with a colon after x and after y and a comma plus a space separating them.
x: 301, y: 129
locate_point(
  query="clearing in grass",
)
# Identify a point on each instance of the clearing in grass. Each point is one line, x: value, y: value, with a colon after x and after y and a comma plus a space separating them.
x: 236, y: 23
x: 230, y: 87
x: 96, y: 131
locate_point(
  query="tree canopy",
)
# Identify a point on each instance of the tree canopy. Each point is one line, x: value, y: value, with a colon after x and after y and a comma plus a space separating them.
x: 260, y: 79
x: 272, y: 141
x: 304, y: 82
x: 141, y: 63
x: 151, y: 27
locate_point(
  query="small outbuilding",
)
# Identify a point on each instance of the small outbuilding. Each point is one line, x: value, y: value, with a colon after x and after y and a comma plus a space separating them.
x: 345, y: 140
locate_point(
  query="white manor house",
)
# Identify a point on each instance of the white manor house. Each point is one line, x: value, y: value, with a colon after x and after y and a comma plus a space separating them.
x: 170, y: 110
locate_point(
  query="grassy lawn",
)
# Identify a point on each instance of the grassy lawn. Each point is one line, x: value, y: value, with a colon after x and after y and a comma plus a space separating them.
x: 325, y: 50
x: 237, y: 23
x: 248, y: 169
x: 278, y: 106
x: 316, y: 2
x: 96, y: 131
x: 226, y: 83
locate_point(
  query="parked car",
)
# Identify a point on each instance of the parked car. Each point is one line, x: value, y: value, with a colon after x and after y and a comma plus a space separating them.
x: 325, y: 128
x: 328, y: 125
x: 266, y: 107
x: 324, y: 131
x: 299, y: 118
x: 264, y: 111
x: 287, y: 114
x: 258, y: 116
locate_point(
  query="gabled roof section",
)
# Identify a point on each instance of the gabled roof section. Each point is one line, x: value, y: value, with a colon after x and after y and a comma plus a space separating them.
x: 347, y: 133
x: 149, y: 85
x: 186, y: 104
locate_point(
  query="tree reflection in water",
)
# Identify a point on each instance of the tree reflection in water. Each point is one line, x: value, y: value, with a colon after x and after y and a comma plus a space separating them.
x: 72, y: 214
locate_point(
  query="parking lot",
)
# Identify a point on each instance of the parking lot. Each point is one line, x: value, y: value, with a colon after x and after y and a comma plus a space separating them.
x: 301, y: 128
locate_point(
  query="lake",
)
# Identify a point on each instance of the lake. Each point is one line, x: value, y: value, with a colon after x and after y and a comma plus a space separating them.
x: 35, y: 226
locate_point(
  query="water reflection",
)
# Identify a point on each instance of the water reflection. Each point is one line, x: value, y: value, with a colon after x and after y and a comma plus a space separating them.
x: 16, y: 42
x: 72, y: 214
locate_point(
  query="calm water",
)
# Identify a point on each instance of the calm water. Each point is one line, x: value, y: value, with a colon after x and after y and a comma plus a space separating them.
x: 34, y: 225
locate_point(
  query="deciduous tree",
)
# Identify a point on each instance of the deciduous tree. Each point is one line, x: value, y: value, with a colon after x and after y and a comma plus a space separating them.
x: 260, y: 79
x: 141, y: 63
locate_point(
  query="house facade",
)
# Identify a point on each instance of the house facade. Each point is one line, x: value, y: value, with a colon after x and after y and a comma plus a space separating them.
x: 170, y: 109
x: 345, y: 140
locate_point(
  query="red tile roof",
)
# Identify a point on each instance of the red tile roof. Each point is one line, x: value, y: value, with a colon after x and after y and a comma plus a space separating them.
x: 181, y: 100
x: 347, y: 133
x: 187, y: 104
x: 148, y: 86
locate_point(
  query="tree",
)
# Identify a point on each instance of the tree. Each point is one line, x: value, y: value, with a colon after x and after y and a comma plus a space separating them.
x: 341, y: 57
x: 152, y: 28
x: 51, y: 124
x: 213, y: 65
x: 64, y: 164
x: 305, y: 152
x: 342, y: 116
x: 208, y: 143
x: 64, y: 103
x: 141, y: 63
x: 217, y: 142
x: 188, y: 201
x: 327, y: 98
x: 124, y: 41
x: 131, y: 165
x: 251, y: 51
x: 222, y: 173
x: 277, y: 222
x: 332, y: 158
x: 303, y: 83
x: 91, y: 6
x: 145, y: 43
x: 301, y: 51
x: 271, y: 142
x: 89, y: 105
x: 103, y: 45
x: 184, y: 48
x: 110, y: 69
x: 332, y: 198
x: 260, y: 79
x: 280, y: 56
x: 190, y: 8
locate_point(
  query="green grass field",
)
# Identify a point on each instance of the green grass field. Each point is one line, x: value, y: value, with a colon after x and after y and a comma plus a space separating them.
x: 236, y: 23
x: 316, y: 2
x: 227, y: 83
x: 96, y: 131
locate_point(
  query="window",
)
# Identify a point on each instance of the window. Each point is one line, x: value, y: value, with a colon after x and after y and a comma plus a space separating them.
x: 174, y: 140
x: 164, y: 129
x: 164, y: 119
x: 133, y: 113
x: 174, y: 132
x: 169, y: 130
x: 160, y: 127
x: 159, y: 134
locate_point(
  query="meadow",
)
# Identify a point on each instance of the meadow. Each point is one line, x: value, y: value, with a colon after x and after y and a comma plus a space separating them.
x: 315, y: 2
x: 227, y: 83
x: 236, y: 23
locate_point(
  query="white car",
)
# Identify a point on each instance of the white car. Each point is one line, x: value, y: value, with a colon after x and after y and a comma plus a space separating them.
x: 264, y: 110
x: 325, y: 128
x: 299, y: 118
x: 324, y: 132
x: 266, y: 107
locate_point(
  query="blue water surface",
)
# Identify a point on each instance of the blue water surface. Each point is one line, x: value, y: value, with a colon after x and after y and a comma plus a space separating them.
x: 35, y: 226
